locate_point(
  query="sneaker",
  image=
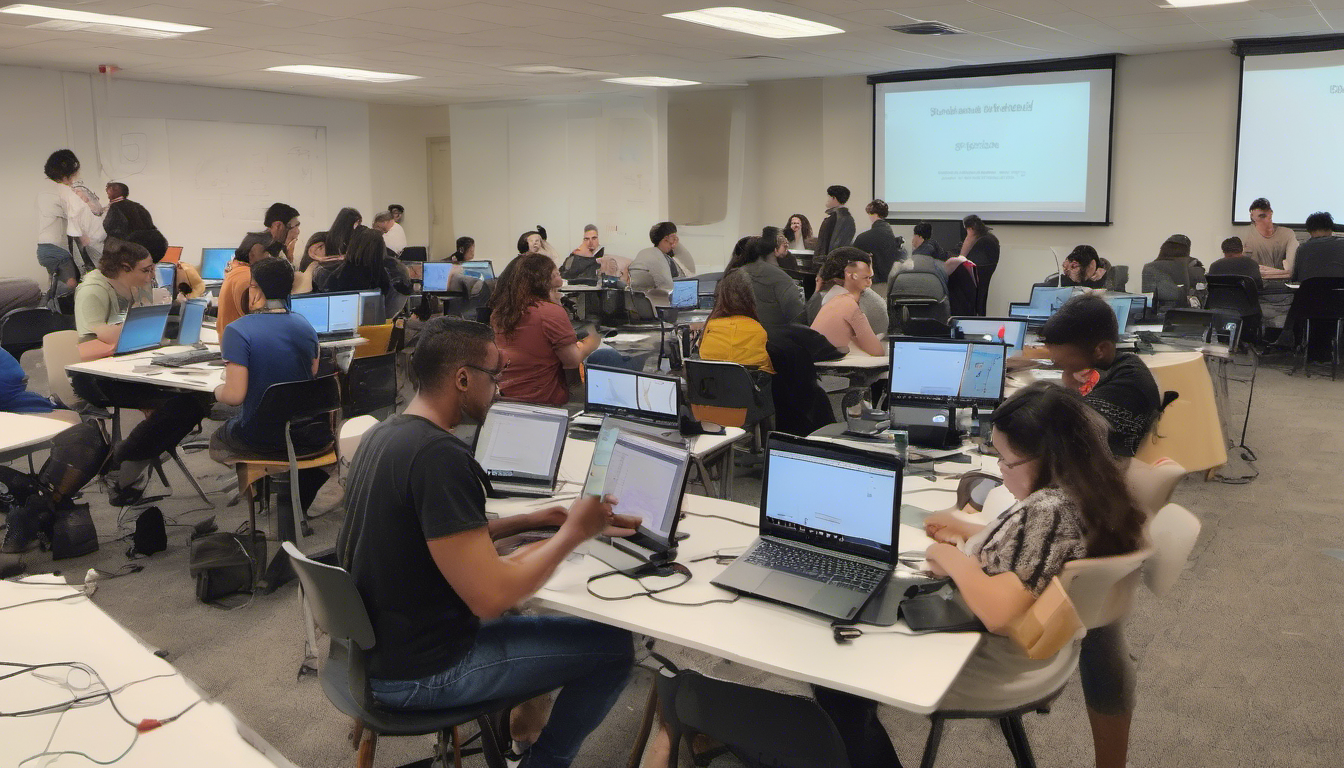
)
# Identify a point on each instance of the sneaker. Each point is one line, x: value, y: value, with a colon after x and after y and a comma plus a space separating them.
x: 20, y: 531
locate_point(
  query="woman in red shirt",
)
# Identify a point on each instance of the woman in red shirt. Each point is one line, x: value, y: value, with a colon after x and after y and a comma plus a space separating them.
x: 534, y: 334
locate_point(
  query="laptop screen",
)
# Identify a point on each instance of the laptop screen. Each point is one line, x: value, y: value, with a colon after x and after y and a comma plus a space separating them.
x: 214, y: 261
x: 625, y: 393
x: 685, y: 293
x: 481, y: 270
x: 313, y: 308
x: 934, y: 371
x: 142, y: 329
x: 834, y: 499
x: 164, y: 274
x: 522, y: 443
x: 1010, y: 331
x: 193, y: 315
x: 173, y: 254
x: 343, y: 312
x: 435, y: 277
x: 1121, y: 306
x: 372, y: 310
x: 982, y: 381
x: 647, y: 476
x: 1051, y: 298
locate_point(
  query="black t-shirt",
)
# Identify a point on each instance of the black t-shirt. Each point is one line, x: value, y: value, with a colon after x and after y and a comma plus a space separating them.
x: 1126, y: 395
x: 410, y: 482
x: 1237, y: 265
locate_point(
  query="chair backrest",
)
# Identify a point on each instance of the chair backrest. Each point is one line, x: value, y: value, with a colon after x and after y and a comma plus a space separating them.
x: 1233, y: 293
x: 1049, y: 625
x: 59, y: 349
x: 1319, y: 297
x: 1102, y: 588
x: 337, y: 607
x: 1171, y: 534
x: 1151, y: 485
x: 25, y: 328
x: 641, y: 308
x: 1119, y: 277
x: 376, y: 339
x: 371, y: 386
x: 910, y: 284
x: 296, y: 400
x: 727, y: 393
x: 760, y: 727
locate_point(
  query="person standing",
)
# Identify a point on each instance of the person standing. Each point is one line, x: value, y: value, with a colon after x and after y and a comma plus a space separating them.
x: 124, y: 216
x: 395, y: 236
x: 837, y: 229
x: 62, y: 212
x: 282, y: 222
x: 880, y: 243
x: 981, y: 248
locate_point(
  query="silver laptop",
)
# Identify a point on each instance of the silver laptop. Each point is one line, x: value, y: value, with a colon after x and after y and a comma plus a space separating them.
x: 830, y: 516
x: 645, y: 397
x: 646, y: 473
x: 519, y: 447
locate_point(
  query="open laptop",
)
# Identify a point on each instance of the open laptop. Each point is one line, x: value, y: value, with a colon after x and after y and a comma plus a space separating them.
x: 519, y: 447
x: 1123, y: 307
x: 481, y: 270
x: 173, y: 254
x: 188, y: 334
x: 1045, y: 301
x: 830, y: 517
x: 333, y: 315
x: 214, y: 261
x: 947, y: 371
x: 143, y: 329
x: 646, y: 474
x: 372, y: 310
x: 434, y: 279
x: 1009, y: 330
x: 165, y: 275
x: 685, y: 293
x: 641, y: 397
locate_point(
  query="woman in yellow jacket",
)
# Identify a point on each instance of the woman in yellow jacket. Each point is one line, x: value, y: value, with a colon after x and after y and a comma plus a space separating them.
x: 732, y: 332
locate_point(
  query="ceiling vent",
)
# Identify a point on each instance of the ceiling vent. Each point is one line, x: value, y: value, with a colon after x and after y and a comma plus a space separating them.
x: 927, y: 28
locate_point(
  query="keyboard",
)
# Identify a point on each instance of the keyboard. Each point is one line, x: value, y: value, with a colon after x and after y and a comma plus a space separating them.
x: 1148, y: 337
x: 190, y: 357
x: 817, y: 566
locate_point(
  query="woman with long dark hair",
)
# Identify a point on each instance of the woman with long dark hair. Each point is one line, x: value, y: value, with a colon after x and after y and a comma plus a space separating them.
x: 778, y: 299
x: 466, y: 250
x: 369, y: 266
x: 798, y: 231
x: 535, y: 337
x: 341, y: 230
x: 315, y: 260
x: 732, y: 332
x: 981, y: 248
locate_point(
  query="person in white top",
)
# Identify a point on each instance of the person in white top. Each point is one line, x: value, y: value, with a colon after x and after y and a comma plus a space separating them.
x: 64, y: 211
x: 395, y: 237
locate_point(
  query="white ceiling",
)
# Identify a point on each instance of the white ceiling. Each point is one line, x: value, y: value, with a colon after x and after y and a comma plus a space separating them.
x: 458, y: 46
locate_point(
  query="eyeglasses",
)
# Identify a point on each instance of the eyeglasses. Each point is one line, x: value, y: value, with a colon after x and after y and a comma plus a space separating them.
x: 1010, y: 464
x: 494, y: 375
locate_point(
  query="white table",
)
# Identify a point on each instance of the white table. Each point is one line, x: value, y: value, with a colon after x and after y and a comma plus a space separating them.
x: 857, y: 361
x: 78, y: 630
x: 705, y: 450
x: 24, y: 433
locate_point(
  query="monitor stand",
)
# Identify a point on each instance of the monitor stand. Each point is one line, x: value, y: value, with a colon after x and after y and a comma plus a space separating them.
x: 627, y: 557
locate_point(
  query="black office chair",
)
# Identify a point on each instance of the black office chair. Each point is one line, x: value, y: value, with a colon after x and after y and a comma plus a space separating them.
x: 916, y: 295
x: 339, y: 611
x: 1237, y: 295
x: 729, y: 394
x: 22, y: 329
x: 371, y: 386
x: 1318, y: 300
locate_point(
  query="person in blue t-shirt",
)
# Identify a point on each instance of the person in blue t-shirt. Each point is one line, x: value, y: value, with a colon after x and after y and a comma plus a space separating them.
x: 269, y: 345
x: 14, y: 394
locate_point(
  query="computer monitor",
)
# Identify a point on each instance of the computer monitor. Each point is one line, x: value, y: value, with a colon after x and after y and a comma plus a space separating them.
x: 1010, y: 330
x: 947, y: 233
x: 214, y: 261
x: 947, y: 371
x: 372, y: 309
x: 415, y: 253
x: 434, y: 279
x: 1051, y: 298
x: 142, y: 329
x: 481, y: 270
x: 642, y: 396
x: 685, y: 293
x: 708, y: 287
x: 173, y: 254
x: 1121, y: 306
x: 165, y: 275
x: 343, y: 312
x: 982, y: 380
x: 193, y: 316
x: 521, y: 443
x: 647, y: 475
x: 313, y: 308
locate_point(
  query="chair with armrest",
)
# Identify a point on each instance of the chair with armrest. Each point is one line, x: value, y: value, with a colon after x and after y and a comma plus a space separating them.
x: 728, y: 394
x: 1151, y: 485
x: 1236, y: 295
x: 916, y: 295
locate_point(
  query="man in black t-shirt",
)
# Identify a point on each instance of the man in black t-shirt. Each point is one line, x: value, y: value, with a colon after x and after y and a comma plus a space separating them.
x: 1236, y: 262
x: 422, y: 554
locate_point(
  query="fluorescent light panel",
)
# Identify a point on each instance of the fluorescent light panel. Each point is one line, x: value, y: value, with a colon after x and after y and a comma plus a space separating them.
x: 655, y: 82
x: 759, y: 23
x: 545, y: 69
x: 1197, y: 3
x: 343, y: 73
x: 101, y: 22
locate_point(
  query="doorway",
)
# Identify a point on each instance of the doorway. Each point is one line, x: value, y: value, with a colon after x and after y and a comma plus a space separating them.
x: 441, y: 239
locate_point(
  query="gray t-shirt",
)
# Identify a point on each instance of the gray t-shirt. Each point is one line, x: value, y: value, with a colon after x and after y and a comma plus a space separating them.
x: 1319, y: 257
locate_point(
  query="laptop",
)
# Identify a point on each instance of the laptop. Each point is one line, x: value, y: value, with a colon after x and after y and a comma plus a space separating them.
x: 372, y: 310
x: 481, y: 270
x: 165, y: 275
x: 947, y: 372
x: 143, y: 329
x: 646, y: 474
x: 173, y: 254
x: 193, y: 317
x: 1122, y: 306
x: 830, y: 518
x: 519, y: 447
x: 434, y: 278
x: 415, y: 253
x: 214, y: 261
x: 685, y: 293
x: 642, y: 397
x: 333, y: 315
x: 1045, y: 301
x: 1009, y: 330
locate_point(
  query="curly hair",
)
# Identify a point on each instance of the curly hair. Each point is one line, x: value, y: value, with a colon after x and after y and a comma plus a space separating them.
x: 62, y: 164
x: 525, y: 284
x: 120, y: 257
x: 836, y: 262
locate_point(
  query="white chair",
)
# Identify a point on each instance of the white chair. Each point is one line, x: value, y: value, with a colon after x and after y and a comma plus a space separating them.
x: 352, y: 433
x: 59, y: 349
x: 1151, y: 485
x: 1171, y: 535
x: 1102, y: 588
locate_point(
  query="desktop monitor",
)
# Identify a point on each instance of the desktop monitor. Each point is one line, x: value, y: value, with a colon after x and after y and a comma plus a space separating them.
x: 415, y: 253
x: 372, y: 310
x: 521, y: 443
x: 685, y: 293
x: 708, y: 287
x: 214, y: 261
x: 193, y: 316
x: 434, y: 279
x: 481, y: 270
x: 313, y: 308
x: 173, y: 254
x: 648, y: 475
x: 621, y: 392
x: 1009, y: 330
x: 165, y: 273
x: 947, y: 371
x: 142, y: 329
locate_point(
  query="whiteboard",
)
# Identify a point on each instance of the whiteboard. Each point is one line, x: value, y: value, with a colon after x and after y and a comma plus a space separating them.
x: 207, y: 184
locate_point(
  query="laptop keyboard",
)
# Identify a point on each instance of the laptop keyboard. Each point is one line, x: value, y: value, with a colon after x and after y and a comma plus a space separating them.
x: 179, y: 359
x: 817, y: 566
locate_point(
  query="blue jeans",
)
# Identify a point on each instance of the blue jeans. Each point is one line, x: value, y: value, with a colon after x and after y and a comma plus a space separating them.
x: 519, y: 655
x: 605, y: 355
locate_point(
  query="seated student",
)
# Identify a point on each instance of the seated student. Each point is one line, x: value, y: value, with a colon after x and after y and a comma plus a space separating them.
x: 584, y: 262
x: 421, y: 552
x: 466, y: 250
x: 1236, y: 262
x: 367, y: 267
x: 843, y: 281
x: 124, y: 279
x: 1323, y: 254
x: 538, y: 343
x: 778, y: 299
x: 732, y: 332
x: 924, y: 244
x: 269, y: 345
x: 313, y: 262
x: 341, y: 230
x: 1072, y: 502
x: 1175, y: 278
x: 15, y: 397
x: 1083, y: 266
x: 798, y: 232
x: 654, y: 269
x: 783, y: 259
x: 1081, y: 338
x: 233, y: 298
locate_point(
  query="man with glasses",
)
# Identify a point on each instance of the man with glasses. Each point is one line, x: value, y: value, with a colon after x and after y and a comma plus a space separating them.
x: 422, y: 553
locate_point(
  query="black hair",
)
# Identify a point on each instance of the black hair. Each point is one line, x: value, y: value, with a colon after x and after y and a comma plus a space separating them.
x: 975, y: 224
x: 740, y: 247
x: 397, y: 208
x: 661, y: 230
x: 836, y: 262
x: 366, y: 253
x: 317, y: 237
x: 463, y: 244
x: 1233, y: 245
x: 753, y: 249
x: 341, y: 230
x: 924, y: 229
x: 1174, y: 247
x: 244, y: 250
x: 878, y: 207
x: 542, y: 231
x: 841, y: 194
x: 445, y: 344
x: 151, y: 240
x: 1085, y: 255
x: 1260, y: 204
x: 279, y: 212
x: 522, y: 240
x: 274, y: 276
x: 62, y: 164
x: 1320, y: 221
x: 771, y: 233
x: 120, y: 190
x: 1085, y: 320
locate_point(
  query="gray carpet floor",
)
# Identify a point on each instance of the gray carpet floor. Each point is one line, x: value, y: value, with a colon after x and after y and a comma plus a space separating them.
x: 1238, y: 666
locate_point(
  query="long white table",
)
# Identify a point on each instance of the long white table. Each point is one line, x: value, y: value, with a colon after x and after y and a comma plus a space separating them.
x: 76, y: 629
x: 24, y: 433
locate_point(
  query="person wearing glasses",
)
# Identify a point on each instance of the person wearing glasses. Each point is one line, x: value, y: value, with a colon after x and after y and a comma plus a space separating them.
x: 421, y: 551
x: 1071, y: 503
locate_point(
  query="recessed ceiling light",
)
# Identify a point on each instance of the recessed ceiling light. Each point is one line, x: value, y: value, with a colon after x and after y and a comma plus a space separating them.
x: 759, y: 23
x: 663, y: 82
x: 1196, y: 3
x: 545, y: 69
x: 67, y: 20
x: 343, y: 73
